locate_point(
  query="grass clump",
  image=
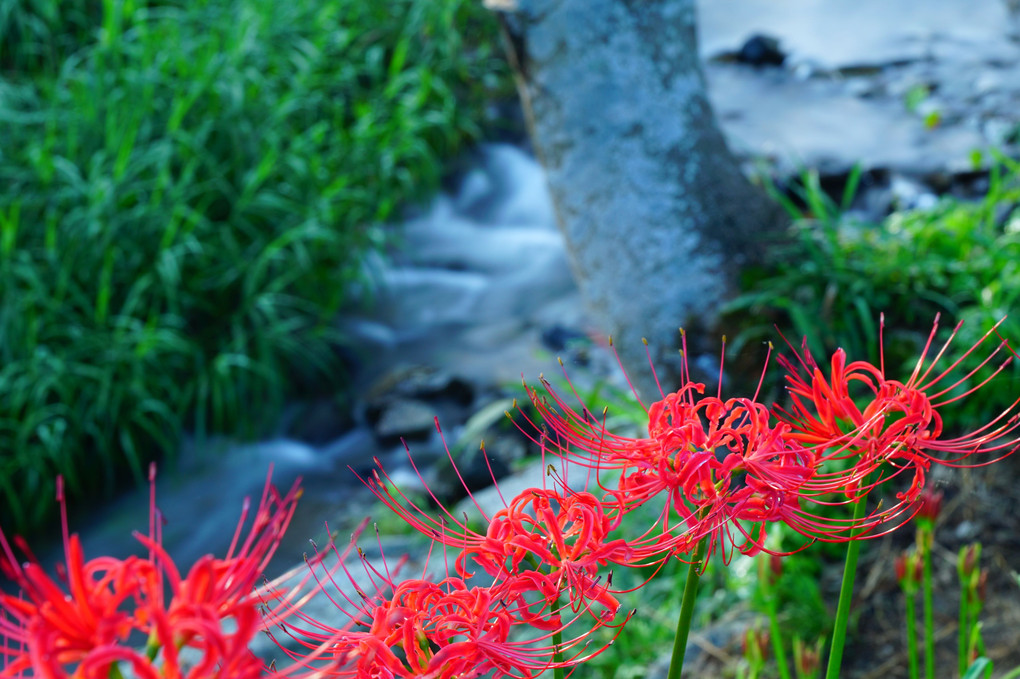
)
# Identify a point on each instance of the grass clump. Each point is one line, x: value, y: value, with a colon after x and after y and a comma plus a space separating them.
x: 834, y: 278
x: 187, y: 191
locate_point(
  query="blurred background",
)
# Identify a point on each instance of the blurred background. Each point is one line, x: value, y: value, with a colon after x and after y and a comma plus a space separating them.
x: 243, y: 232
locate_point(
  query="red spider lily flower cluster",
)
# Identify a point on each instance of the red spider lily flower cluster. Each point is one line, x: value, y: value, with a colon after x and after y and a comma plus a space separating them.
x: 527, y: 591
x: 723, y: 470
x: 726, y: 470
x: 420, y: 628
x: 193, y: 626
x: 534, y: 605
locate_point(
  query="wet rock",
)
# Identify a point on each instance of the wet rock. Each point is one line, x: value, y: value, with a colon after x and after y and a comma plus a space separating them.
x: 422, y: 382
x: 909, y: 194
x: 864, y: 88
x: 849, y: 89
x: 761, y: 50
x: 477, y: 468
x: 318, y: 422
x: 875, y: 203
x: 486, y: 450
x: 1000, y: 131
x: 861, y: 32
x: 558, y: 337
x: 404, y: 419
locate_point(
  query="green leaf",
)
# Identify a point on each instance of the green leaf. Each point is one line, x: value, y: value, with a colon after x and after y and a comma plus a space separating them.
x: 977, y: 668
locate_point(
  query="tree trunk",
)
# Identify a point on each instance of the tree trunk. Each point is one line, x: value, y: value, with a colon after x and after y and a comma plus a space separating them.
x: 657, y: 216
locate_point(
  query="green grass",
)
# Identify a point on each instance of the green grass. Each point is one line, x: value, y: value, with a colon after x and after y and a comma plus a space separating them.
x: 836, y: 275
x: 187, y: 191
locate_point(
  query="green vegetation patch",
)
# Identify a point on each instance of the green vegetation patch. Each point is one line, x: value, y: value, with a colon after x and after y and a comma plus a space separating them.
x: 960, y: 259
x: 187, y: 193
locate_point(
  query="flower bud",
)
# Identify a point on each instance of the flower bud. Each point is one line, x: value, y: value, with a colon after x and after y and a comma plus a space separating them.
x: 900, y: 566
x: 756, y: 645
x: 931, y: 504
x: 807, y: 659
x: 770, y: 568
x: 909, y: 568
x: 982, y: 586
x: 967, y: 560
x: 776, y: 565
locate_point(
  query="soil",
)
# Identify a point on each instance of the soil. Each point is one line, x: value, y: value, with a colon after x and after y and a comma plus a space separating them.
x: 980, y: 505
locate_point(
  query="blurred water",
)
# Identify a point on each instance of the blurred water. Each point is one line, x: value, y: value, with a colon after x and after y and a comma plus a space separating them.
x: 481, y: 268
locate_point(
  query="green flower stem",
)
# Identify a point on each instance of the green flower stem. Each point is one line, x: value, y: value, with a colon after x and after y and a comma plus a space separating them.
x: 964, y: 628
x: 558, y: 656
x: 557, y: 636
x: 911, y: 635
x: 683, y: 623
x: 929, y: 614
x: 846, y: 593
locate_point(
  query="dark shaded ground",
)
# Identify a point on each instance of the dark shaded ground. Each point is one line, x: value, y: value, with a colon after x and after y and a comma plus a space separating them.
x: 980, y: 505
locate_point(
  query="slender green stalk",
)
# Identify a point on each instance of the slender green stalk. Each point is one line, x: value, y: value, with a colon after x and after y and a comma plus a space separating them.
x: 558, y: 642
x: 846, y: 592
x: 929, y: 614
x: 683, y: 623
x: 964, y: 629
x: 558, y: 634
x: 911, y: 635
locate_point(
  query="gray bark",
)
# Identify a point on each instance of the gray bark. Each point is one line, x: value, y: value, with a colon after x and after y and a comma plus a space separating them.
x: 657, y: 215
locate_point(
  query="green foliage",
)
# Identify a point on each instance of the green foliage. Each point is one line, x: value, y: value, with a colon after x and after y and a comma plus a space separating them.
x: 186, y: 196
x: 649, y: 634
x: 835, y: 278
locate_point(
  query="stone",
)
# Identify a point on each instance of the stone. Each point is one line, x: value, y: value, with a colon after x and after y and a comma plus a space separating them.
x: 487, y: 448
x: 422, y: 382
x: 318, y: 422
x: 403, y: 419
x: 761, y: 50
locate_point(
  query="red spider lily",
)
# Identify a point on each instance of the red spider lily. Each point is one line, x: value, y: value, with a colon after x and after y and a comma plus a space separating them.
x: 568, y: 533
x: 725, y: 468
x: 877, y: 421
x: 219, y: 588
x: 51, y: 628
x: 417, y: 628
x: 112, y: 606
x: 728, y: 468
x: 930, y: 504
x: 562, y: 533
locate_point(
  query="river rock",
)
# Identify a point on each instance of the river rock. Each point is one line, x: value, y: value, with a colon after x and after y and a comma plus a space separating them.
x: 403, y: 419
x: 761, y: 50
x: 317, y: 422
x: 422, y: 382
x: 479, y: 466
